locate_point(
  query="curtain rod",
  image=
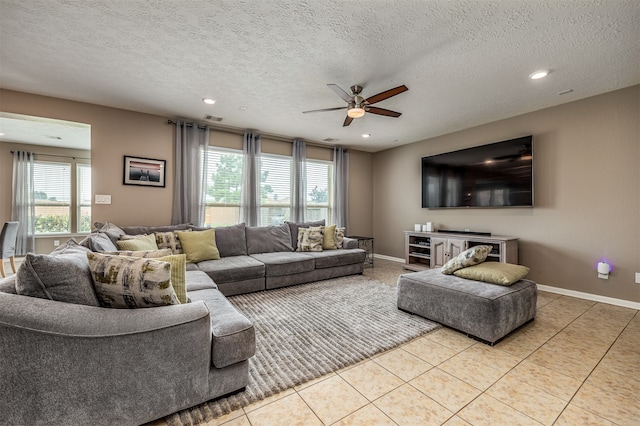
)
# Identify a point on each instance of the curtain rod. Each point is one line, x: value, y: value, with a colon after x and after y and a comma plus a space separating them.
x: 241, y: 132
x: 57, y: 155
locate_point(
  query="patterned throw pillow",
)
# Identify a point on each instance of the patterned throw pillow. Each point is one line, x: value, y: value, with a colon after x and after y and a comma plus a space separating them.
x: 128, y: 282
x: 310, y: 239
x: 169, y: 240
x: 137, y: 242
x: 339, y: 237
x: 473, y: 256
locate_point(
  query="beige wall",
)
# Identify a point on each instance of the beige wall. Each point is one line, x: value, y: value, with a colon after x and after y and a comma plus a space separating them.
x: 587, y: 193
x: 116, y: 132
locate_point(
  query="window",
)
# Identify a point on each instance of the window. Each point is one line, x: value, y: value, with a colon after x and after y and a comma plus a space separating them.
x: 52, y: 189
x: 224, y: 187
x: 62, y: 204
x: 275, y: 189
x: 319, y: 191
x: 83, y: 197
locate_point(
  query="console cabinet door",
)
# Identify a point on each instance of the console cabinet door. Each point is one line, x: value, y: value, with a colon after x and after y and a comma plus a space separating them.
x: 443, y: 249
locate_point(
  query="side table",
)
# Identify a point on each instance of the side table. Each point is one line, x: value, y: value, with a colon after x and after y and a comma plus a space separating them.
x: 366, y: 244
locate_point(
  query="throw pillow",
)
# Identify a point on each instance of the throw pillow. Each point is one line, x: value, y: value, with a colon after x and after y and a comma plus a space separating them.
x: 199, y: 245
x: 232, y: 240
x: 470, y: 257
x: 268, y: 239
x: 169, y: 240
x: 131, y: 282
x: 310, y: 239
x: 329, y: 238
x: 494, y: 272
x: 113, y: 232
x: 137, y: 242
x: 178, y: 264
x: 98, y: 241
x: 151, y: 254
x: 339, y: 237
x: 293, y: 230
x: 63, y: 275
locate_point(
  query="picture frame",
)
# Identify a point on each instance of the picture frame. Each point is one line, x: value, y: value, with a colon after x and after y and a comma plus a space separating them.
x: 144, y: 171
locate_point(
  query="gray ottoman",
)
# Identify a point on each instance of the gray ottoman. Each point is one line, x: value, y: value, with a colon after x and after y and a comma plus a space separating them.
x: 486, y: 311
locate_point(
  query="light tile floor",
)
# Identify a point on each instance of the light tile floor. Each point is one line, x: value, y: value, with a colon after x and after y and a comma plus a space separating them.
x: 577, y: 363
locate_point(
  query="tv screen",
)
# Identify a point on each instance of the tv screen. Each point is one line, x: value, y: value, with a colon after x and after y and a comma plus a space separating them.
x: 494, y: 175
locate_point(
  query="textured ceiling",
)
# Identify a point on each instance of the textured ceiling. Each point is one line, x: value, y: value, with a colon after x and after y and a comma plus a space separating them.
x: 465, y: 62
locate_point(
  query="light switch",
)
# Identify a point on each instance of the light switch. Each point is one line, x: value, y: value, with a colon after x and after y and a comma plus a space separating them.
x: 103, y: 199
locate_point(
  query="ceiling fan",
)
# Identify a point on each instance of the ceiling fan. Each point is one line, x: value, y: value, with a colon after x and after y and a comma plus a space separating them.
x: 357, y: 106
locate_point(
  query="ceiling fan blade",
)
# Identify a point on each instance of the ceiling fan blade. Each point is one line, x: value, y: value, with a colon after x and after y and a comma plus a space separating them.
x: 347, y: 121
x: 324, y: 109
x: 344, y: 95
x: 386, y: 94
x: 382, y: 111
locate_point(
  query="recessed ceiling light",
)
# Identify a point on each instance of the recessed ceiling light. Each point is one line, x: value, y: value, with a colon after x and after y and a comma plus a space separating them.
x: 243, y: 108
x: 539, y: 74
x: 366, y: 135
x: 208, y: 101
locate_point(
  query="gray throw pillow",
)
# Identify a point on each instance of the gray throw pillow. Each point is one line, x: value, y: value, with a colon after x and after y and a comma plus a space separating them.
x: 294, y: 226
x: 268, y: 239
x: 231, y: 240
x: 63, y: 275
x: 113, y: 232
x: 138, y: 230
x: 98, y: 241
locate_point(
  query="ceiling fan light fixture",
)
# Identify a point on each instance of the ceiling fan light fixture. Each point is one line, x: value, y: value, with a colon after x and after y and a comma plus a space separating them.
x: 355, y: 112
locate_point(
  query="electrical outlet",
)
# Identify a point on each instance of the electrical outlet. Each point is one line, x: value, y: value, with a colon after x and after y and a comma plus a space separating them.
x: 56, y: 243
x: 637, y: 277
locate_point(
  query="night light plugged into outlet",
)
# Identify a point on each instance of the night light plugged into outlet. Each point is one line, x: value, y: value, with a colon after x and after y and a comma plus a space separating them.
x: 603, y: 270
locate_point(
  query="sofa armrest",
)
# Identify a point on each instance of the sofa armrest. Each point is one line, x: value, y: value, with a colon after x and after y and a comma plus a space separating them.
x: 350, y: 243
x: 87, y: 365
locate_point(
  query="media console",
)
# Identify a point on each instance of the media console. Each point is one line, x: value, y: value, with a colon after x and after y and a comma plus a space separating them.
x: 424, y: 250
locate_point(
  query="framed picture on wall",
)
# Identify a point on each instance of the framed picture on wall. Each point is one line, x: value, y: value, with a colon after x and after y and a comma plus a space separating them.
x: 144, y: 171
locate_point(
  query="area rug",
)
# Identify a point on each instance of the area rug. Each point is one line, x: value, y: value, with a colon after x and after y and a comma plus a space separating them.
x: 306, y: 331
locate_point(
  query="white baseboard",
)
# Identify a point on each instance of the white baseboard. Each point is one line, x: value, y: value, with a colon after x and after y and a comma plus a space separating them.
x: 589, y: 296
x: 556, y: 290
x: 393, y: 259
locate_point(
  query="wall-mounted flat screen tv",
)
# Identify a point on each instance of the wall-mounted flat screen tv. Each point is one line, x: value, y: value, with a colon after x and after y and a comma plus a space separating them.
x: 495, y: 175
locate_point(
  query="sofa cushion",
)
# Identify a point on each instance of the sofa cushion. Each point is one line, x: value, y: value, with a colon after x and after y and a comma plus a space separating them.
x: 268, y: 239
x: 233, y: 335
x: 233, y: 268
x: 63, y: 275
x: 138, y: 230
x: 199, y: 245
x: 198, y: 280
x: 8, y: 285
x: 283, y: 263
x: 98, y: 241
x: 333, y: 258
x: 294, y: 226
x: 494, y: 272
x: 137, y: 242
x: 310, y: 239
x: 231, y: 240
x: 128, y: 282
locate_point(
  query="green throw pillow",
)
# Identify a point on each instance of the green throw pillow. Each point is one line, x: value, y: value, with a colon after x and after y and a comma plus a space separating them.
x: 329, y: 238
x: 178, y: 264
x: 131, y: 282
x: 137, y: 242
x: 494, y: 273
x: 199, y: 245
x: 470, y: 257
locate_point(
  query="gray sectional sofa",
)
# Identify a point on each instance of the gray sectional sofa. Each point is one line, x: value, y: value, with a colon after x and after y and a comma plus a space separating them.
x: 70, y: 363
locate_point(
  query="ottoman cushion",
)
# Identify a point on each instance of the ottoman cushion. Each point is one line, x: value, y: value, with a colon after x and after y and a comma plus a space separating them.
x: 486, y: 311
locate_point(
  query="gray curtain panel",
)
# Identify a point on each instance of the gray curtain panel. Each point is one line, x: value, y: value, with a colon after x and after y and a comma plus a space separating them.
x: 299, y: 190
x: 250, y: 197
x: 192, y: 143
x: 23, y: 206
x: 341, y: 187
